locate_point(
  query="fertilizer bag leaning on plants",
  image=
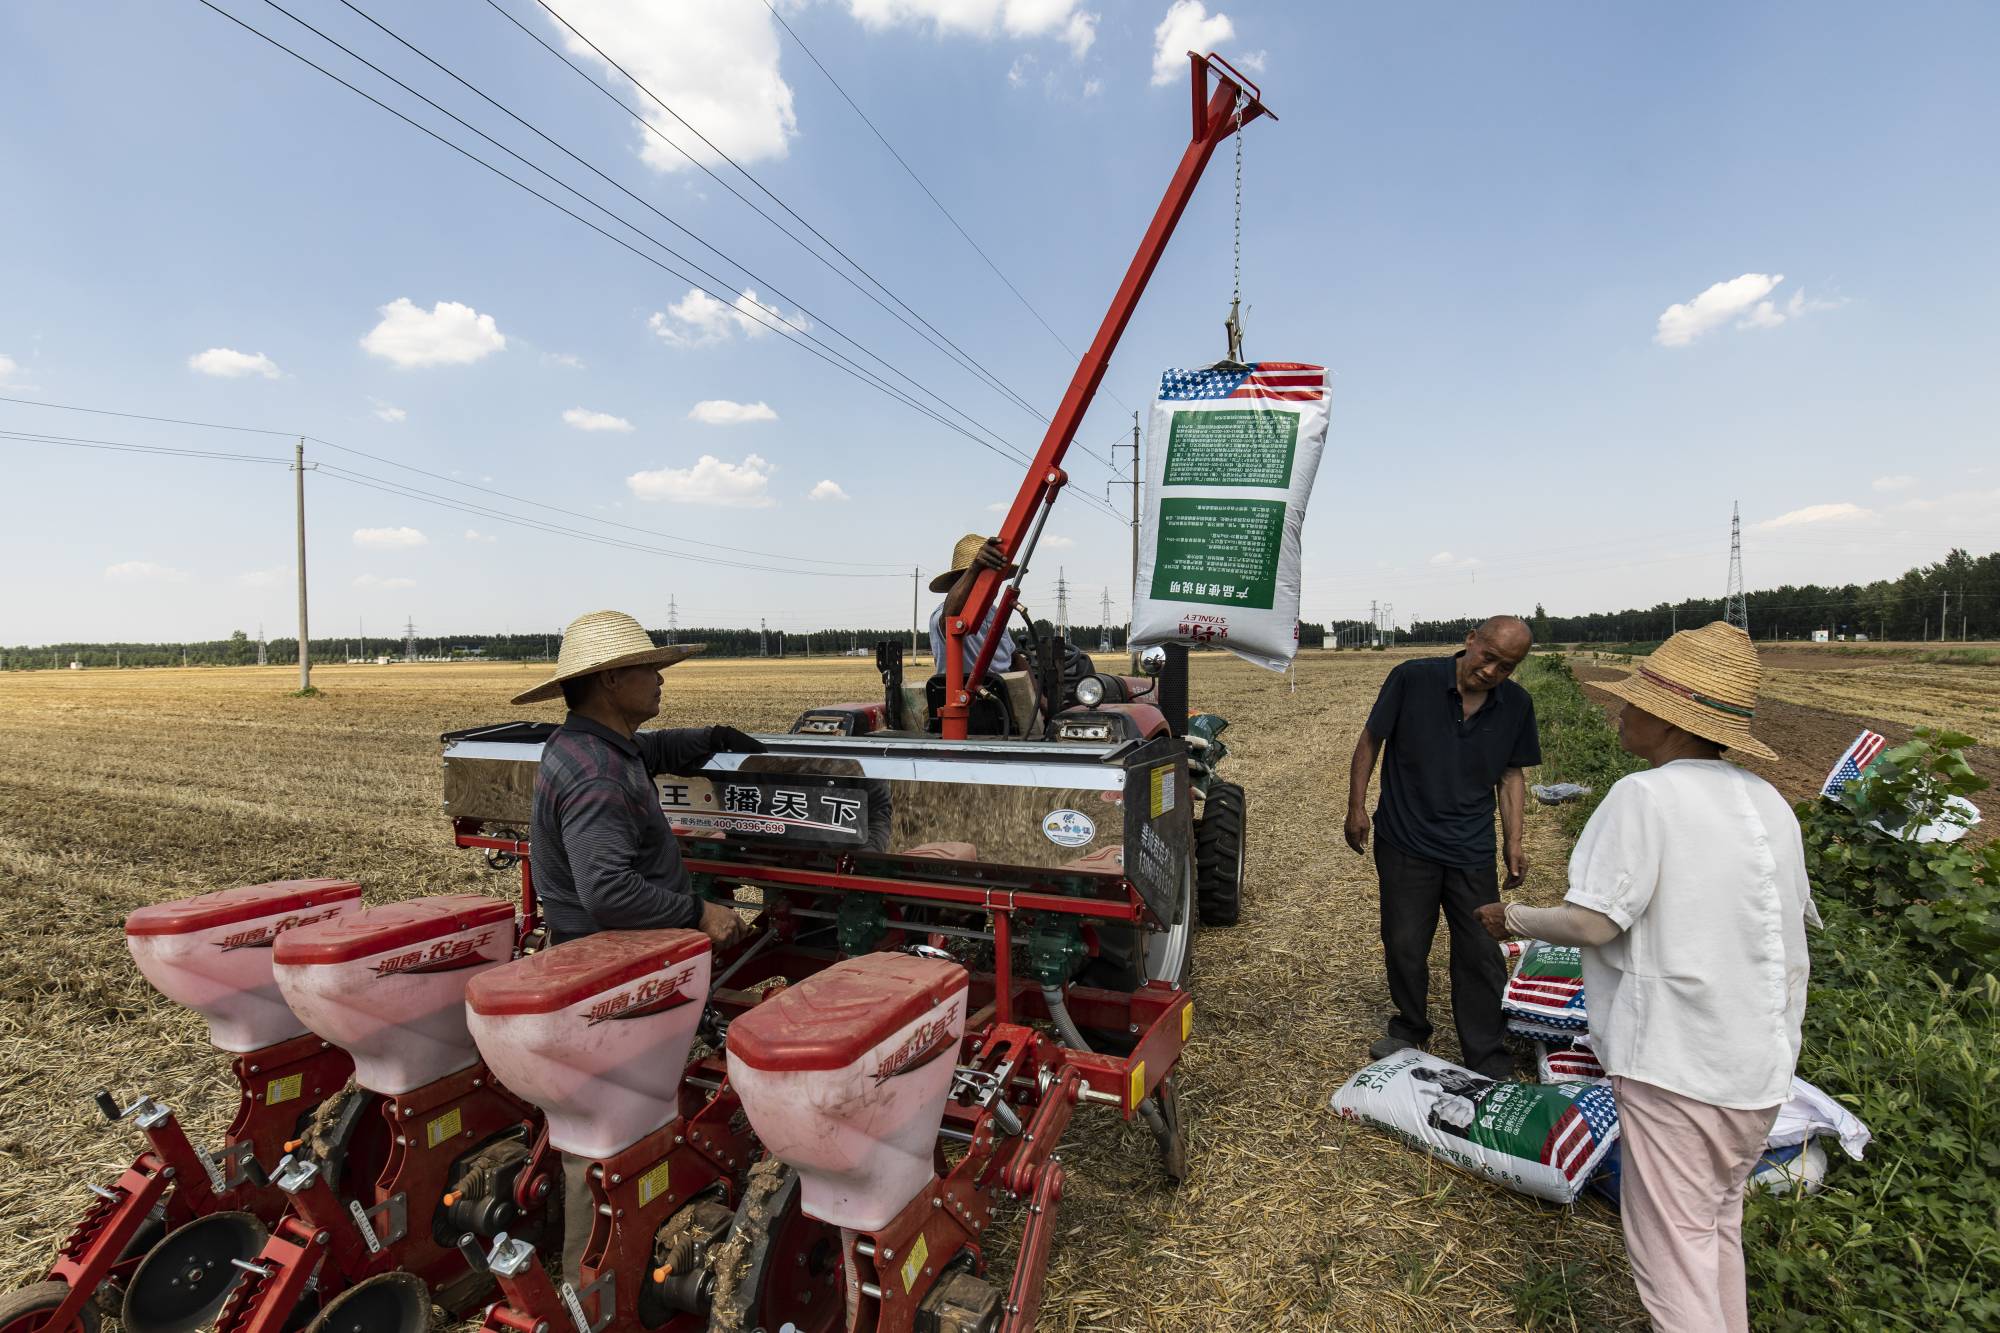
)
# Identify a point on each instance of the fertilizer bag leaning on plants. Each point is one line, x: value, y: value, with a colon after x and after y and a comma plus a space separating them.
x: 1234, y: 450
x: 1544, y: 1140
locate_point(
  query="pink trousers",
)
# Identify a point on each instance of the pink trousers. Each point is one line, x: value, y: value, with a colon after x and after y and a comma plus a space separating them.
x: 1684, y: 1165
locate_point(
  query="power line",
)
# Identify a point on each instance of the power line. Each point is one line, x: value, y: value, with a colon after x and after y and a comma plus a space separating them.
x: 783, y: 328
x: 928, y: 193
x: 38, y: 437
x: 751, y: 274
x: 119, y: 446
x: 969, y: 362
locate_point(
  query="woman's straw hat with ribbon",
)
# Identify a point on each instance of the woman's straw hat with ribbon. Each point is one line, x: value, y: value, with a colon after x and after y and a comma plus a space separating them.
x: 604, y: 641
x: 961, y: 560
x: 1703, y: 681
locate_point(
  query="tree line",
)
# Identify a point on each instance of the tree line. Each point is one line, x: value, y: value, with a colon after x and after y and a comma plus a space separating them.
x: 1954, y: 598
x: 239, y: 649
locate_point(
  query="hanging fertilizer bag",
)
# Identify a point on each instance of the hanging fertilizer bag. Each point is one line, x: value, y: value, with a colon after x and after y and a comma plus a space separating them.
x: 1233, y: 456
x: 1542, y: 1139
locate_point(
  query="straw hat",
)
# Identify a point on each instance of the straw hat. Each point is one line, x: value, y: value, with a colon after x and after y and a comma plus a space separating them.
x: 961, y: 560
x: 1703, y: 681
x: 604, y: 641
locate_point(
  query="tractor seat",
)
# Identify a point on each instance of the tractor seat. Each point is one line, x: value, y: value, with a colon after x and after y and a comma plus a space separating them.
x: 844, y: 1077
x: 595, y: 1032
x: 387, y: 984
x: 212, y: 953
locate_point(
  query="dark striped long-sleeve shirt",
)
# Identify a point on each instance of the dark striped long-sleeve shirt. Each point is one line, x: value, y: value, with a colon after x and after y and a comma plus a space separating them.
x: 604, y: 857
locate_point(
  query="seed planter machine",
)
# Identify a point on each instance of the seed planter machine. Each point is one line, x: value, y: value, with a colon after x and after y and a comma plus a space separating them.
x: 974, y: 903
x: 974, y: 906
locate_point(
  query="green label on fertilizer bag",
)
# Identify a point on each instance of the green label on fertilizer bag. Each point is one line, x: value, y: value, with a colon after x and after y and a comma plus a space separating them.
x: 1232, y: 448
x: 1224, y: 552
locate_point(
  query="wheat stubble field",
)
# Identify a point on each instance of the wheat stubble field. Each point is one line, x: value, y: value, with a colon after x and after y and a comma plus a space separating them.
x: 122, y: 788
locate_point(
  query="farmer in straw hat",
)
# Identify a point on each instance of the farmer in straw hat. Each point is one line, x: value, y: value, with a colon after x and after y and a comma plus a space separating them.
x: 604, y: 856
x: 972, y: 554
x: 1688, y: 894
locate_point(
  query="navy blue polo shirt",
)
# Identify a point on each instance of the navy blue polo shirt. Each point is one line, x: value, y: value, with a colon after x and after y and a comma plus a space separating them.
x: 1439, y: 768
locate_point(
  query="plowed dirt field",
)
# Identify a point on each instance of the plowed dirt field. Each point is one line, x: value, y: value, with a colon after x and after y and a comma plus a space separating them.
x: 123, y: 788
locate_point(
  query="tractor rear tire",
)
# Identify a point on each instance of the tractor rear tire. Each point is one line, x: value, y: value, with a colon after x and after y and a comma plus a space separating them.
x: 1218, y: 851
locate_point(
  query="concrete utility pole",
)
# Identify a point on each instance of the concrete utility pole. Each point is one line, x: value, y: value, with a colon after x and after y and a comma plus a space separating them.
x: 1944, y: 618
x: 915, y: 574
x: 305, y: 634
x: 1132, y: 610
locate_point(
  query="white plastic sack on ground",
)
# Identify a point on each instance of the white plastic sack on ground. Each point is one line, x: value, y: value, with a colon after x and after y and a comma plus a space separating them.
x: 1543, y: 1140
x: 1568, y: 1062
x: 1811, y: 1113
x: 1233, y: 456
x: 1782, y: 1170
x: 1544, y: 997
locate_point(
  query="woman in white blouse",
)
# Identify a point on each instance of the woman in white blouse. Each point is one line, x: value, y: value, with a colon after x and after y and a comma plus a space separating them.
x: 1688, y: 892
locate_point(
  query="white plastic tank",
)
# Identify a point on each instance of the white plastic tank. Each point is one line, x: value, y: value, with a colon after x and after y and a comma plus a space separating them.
x: 845, y: 1075
x: 212, y: 953
x: 596, y: 1032
x: 387, y: 985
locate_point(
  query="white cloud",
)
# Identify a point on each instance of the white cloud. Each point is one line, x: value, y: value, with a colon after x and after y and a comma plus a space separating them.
x: 1743, y: 299
x: 698, y: 319
x: 828, y: 490
x: 1898, y: 482
x: 226, y: 363
x: 1092, y: 87
x: 1827, y: 513
x: 389, y: 539
x: 475, y: 535
x: 1251, y: 62
x: 1683, y: 322
x: 448, y: 334
x: 716, y: 64
x: 1079, y: 32
x: 999, y: 506
x: 1055, y: 543
x: 1441, y: 558
x: 143, y: 571
x: 1065, y: 19
x: 1017, y: 73
x: 389, y: 412
x: 710, y: 481
x: 1187, y: 27
x: 9, y: 368
x: 261, y: 578
x: 562, y: 360
x: 582, y: 418
x: 722, y: 412
x: 375, y: 581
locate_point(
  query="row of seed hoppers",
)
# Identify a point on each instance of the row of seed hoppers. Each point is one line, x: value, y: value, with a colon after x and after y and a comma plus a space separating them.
x: 959, y: 941
x: 819, y: 1130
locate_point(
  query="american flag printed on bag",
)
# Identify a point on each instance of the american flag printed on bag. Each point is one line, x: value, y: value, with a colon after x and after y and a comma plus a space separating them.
x: 1859, y: 755
x: 1288, y: 381
x: 1544, y: 997
x: 1576, y: 1063
x: 1578, y: 1139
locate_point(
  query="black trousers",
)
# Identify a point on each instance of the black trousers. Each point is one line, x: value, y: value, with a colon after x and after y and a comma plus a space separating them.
x: 1414, y: 891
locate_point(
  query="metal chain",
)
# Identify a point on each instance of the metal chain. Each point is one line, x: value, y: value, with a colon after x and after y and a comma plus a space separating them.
x: 1236, y: 285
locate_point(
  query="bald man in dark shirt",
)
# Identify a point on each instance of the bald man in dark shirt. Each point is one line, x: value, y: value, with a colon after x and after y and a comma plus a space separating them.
x: 1458, y: 734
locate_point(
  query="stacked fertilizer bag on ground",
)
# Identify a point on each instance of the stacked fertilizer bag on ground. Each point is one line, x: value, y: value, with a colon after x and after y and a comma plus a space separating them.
x: 1542, y: 1139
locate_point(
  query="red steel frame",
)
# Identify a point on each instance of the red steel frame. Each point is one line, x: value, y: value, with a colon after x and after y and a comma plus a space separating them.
x: 892, y: 1269
x: 173, y: 1174
x: 1234, y: 103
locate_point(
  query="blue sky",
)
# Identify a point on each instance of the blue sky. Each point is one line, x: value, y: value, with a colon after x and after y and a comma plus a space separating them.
x: 1584, y: 274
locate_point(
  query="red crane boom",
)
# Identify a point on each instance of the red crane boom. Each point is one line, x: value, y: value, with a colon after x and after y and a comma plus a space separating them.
x: 1234, y: 102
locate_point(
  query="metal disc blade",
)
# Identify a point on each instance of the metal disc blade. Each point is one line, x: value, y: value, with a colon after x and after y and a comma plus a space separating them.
x: 385, y: 1303
x: 182, y: 1284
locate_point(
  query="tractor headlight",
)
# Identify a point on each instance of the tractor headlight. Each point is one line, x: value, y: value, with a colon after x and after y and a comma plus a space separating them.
x: 1090, y: 691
